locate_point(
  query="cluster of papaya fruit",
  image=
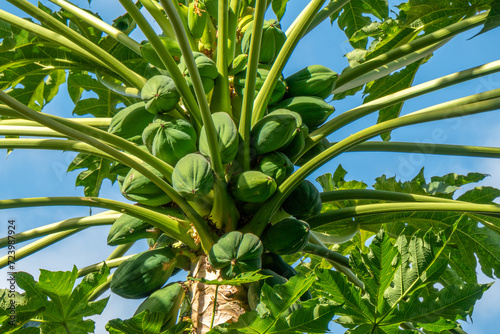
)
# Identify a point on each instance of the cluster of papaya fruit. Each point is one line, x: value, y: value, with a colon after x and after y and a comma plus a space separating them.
x: 160, y: 124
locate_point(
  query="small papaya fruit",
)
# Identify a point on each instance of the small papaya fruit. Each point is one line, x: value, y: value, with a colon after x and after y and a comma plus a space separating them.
x: 139, y: 188
x: 253, y: 186
x: 314, y: 80
x: 304, y: 202
x: 276, y: 165
x: 313, y: 110
x: 138, y: 276
x: 288, y: 236
x: 228, y: 137
x: 262, y: 73
x: 238, y: 64
x: 129, y: 122
x: 170, y: 138
x: 272, y: 41
x: 206, y: 68
x: 236, y: 253
x: 297, y: 144
x: 197, y: 18
x: 149, y: 54
x: 160, y: 94
x: 128, y: 229
x: 273, y: 131
x: 193, y: 177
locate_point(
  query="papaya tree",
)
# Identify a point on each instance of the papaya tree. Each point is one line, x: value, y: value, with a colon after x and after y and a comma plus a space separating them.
x: 190, y: 108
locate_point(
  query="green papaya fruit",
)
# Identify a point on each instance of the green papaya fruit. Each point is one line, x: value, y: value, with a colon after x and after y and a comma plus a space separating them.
x: 272, y: 132
x: 162, y: 240
x: 160, y: 94
x: 271, y: 43
x: 137, y: 187
x: 170, y: 138
x: 228, y: 137
x: 149, y: 54
x: 288, y: 236
x: 297, y: 144
x: 197, y: 18
x: 211, y: 7
x: 207, y: 69
x: 262, y: 73
x: 304, y: 202
x: 313, y: 151
x: 193, y: 177
x: 128, y: 229
x: 313, y: 110
x: 314, y: 80
x: 236, y: 253
x: 238, y: 64
x: 167, y: 300
x: 143, y: 273
x: 129, y: 122
x: 276, y: 165
x: 253, y: 186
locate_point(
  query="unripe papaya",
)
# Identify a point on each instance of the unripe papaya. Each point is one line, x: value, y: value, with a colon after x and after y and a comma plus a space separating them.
x: 143, y: 273
x: 236, y: 253
x: 304, y: 202
x: 160, y: 94
x: 128, y: 229
x: 272, y: 41
x: 139, y: 188
x: 288, y: 236
x: 297, y: 144
x: 238, y: 64
x: 262, y: 73
x: 253, y: 186
x: 170, y: 138
x: 129, y: 122
x: 167, y: 300
x: 206, y: 67
x: 228, y: 137
x: 314, y: 80
x: 276, y: 165
x: 193, y: 177
x: 149, y: 54
x: 273, y: 131
x: 313, y: 110
x: 211, y: 7
x: 197, y: 18
x: 245, y: 22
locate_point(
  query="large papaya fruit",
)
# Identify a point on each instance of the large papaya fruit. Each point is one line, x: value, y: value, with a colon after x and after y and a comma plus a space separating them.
x: 137, y: 187
x: 313, y: 110
x: 160, y: 94
x: 304, y: 202
x: 170, y: 138
x: 228, y: 137
x: 314, y: 80
x: 288, y: 236
x: 297, y: 144
x: 253, y: 186
x: 271, y: 43
x: 167, y: 300
x: 236, y: 253
x: 193, y: 177
x: 276, y: 165
x: 143, y: 273
x: 129, y: 122
x: 273, y: 131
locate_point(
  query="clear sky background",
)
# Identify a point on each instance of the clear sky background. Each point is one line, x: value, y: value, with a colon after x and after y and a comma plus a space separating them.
x: 43, y: 173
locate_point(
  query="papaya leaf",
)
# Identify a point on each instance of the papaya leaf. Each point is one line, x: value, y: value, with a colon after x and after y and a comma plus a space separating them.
x: 105, y: 105
x: 493, y: 19
x: 388, y: 85
x: 97, y: 169
x: 279, y: 8
x: 53, y: 301
x: 240, y: 279
x: 143, y: 323
x: 352, y: 19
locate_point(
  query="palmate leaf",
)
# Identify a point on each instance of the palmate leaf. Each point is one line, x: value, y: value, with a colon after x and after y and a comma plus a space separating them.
x: 493, y: 19
x: 55, y: 303
x: 279, y: 8
x: 144, y: 323
x: 394, y: 278
x: 97, y: 169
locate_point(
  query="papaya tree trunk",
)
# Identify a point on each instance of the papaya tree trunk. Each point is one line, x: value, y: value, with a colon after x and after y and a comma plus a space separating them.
x: 231, y: 301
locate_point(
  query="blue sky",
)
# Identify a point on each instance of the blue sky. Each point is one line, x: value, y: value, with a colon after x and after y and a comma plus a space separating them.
x: 43, y: 173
